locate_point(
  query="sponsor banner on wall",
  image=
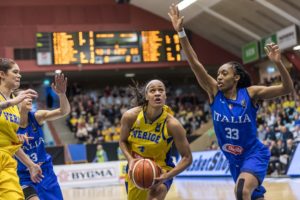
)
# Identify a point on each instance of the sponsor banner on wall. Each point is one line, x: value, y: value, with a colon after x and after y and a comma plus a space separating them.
x: 250, y: 52
x: 287, y: 37
x: 207, y: 163
x: 123, y: 165
x: 266, y: 40
x: 44, y: 58
x: 294, y: 169
x: 88, y: 175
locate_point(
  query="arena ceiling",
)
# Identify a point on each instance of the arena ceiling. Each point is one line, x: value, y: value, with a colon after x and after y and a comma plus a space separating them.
x: 231, y: 23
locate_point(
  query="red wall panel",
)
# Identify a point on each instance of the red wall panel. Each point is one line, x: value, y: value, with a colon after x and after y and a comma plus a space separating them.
x: 20, y: 20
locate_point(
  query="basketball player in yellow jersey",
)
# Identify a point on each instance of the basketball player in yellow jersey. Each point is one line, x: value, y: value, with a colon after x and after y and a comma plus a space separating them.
x: 9, y: 123
x: 148, y: 131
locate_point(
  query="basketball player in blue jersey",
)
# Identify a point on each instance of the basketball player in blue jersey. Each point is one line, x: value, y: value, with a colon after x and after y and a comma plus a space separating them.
x: 233, y: 103
x: 148, y: 131
x: 30, y: 124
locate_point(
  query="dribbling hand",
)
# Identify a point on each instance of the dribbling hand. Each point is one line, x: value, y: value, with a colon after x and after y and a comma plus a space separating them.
x: 161, y: 179
x: 36, y: 174
x: 131, y: 165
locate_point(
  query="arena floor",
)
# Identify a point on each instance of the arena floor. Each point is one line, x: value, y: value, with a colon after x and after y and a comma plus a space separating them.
x: 194, y: 189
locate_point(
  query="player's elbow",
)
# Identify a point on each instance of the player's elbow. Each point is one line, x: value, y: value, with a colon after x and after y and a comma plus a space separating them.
x: 65, y: 111
x: 188, y: 159
x: 287, y: 89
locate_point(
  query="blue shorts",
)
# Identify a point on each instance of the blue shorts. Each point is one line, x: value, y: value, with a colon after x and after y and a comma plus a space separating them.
x: 255, y: 164
x: 47, y: 189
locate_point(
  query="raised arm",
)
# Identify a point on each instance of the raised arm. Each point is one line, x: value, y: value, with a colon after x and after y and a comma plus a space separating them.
x: 286, y: 86
x: 208, y: 83
x: 60, y: 87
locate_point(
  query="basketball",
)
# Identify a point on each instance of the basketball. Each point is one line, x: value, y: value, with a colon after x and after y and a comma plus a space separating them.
x: 143, y: 173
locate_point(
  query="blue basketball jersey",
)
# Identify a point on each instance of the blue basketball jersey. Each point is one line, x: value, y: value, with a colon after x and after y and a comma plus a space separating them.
x: 36, y: 147
x: 235, y: 125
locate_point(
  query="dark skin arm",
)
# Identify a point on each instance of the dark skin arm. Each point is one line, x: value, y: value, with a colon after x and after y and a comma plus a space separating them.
x: 127, y: 121
x: 267, y: 92
x: 176, y: 130
x: 207, y: 82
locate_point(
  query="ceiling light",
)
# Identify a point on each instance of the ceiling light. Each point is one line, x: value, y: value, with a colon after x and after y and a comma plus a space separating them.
x: 129, y: 75
x: 296, y: 48
x: 58, y: 71
x: 185, y: 3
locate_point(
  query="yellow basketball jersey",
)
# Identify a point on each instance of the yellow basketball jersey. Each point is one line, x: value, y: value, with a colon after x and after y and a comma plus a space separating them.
x: 151, y: 140
x: 9, y: 124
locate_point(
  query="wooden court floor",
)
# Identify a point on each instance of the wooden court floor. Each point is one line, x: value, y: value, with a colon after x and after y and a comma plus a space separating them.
x: 193, y: 189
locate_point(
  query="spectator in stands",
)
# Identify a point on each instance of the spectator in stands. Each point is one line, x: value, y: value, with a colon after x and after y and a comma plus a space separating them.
x: 101, y: 155
x: 214, y: 145
x: 120, y: 154
x: 31, y: 124
x: 149, y: 130
x: 270, y: 135
x: 261, y: 132
x: 297, y: 133
x: 285, y: 134
x: 82, y: 132
x: 9, y: 122
x: 274, y: 165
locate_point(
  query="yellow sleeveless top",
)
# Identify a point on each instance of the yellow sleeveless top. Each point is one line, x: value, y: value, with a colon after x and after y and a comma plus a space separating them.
x: 9, y: 124
x: 151, y: 140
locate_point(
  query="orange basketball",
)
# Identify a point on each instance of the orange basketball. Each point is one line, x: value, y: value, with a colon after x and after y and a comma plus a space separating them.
x: 143, y: 173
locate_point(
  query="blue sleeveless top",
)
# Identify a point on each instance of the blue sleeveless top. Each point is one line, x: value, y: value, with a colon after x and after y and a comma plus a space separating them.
x: 235, y: 125
x: 36, y: 147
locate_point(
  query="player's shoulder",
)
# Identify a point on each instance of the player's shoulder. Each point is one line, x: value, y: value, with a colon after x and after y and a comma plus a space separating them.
x: 172, y: 121
x: 131, y: 114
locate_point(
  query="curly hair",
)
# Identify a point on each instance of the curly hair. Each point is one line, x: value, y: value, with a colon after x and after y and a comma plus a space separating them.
x: 245, y: 80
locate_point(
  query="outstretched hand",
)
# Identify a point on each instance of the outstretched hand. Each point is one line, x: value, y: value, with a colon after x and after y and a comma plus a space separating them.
x: 273, y: 52
x: 60, y: 84
x: 24, y: 138
x: 26, y: 94
x: 176, y: 19
x: 36, y: 174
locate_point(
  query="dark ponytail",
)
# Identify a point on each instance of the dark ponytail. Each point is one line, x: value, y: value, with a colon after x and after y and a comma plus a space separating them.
x: 138, y: 93
x: 245, y: 80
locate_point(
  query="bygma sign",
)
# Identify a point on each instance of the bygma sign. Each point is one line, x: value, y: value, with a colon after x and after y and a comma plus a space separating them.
x: 93, y: 174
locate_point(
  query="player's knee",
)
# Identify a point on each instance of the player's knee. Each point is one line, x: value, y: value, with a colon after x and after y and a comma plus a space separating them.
x: 30, y: 193
x: 158, y: 192
x: 241, y: 192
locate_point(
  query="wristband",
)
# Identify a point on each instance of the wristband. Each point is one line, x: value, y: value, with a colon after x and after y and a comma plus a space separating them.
x: 181, y: 34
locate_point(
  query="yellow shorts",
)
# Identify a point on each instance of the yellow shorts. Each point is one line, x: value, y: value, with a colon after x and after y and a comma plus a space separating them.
x: 9, y: 181
x: 134, y: 193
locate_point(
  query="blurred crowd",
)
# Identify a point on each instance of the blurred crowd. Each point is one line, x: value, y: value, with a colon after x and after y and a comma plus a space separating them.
x: 279, y: 128
x: 95, y: 115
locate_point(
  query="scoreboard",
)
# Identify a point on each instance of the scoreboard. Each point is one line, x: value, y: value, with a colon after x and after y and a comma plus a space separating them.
x: 65, y: 48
